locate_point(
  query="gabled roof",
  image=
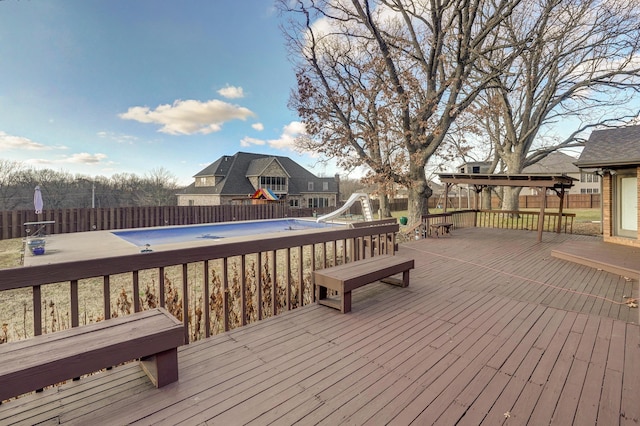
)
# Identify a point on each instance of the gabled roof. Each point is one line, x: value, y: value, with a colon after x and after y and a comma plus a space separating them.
x: 259, y: 165
x: 236, y: 169
x: 556, y: 162
x: 220, y: 167
x: 612, y: 147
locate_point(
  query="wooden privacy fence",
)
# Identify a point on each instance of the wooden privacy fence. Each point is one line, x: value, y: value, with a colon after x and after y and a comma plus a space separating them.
x: 81, y: 220
x: 571, y: 201
x: 210, y: 288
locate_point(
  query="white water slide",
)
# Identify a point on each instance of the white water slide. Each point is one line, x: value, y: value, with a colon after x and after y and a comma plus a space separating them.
x: 358, y: 196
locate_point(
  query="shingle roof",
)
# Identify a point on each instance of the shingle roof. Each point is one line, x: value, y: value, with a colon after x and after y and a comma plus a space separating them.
x: 612, y: 147
x: 556, y: 162
x: 236, y: 168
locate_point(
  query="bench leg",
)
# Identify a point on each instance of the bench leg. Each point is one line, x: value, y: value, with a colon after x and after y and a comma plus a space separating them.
x: 346, y: 302
x: 161, y: 368
x: 405, y: 278
x: 321, y: 292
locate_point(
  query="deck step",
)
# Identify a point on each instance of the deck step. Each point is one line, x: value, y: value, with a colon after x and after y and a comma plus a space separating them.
x: 614, y: 258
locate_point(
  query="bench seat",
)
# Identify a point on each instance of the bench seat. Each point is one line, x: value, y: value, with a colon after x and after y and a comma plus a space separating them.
x: 441, y: 228
x: 349, y: 276
x: 152, y: 336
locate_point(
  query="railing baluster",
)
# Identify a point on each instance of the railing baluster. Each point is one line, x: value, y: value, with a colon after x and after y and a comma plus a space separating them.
x: 225, y: 292
x: 161, y: 284
x: 206, y: 296
x: 300, y: 278
x: 37, y: 310
x: 243, y: 290
x: 274, y: 285
x: 75, y: 312
x: 287, y: 277
x: 185, y: 301
x: 106, y: 296
x: 136, y: 292
x: 259, y: 284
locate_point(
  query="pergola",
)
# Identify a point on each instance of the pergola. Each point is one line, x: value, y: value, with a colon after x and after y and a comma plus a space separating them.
x: 557, y: 182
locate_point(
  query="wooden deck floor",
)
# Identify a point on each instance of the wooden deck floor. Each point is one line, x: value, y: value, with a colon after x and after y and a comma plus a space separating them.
x: 492, y: 330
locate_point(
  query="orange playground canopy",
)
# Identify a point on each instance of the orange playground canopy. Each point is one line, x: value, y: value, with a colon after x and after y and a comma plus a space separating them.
x: 264, y: 194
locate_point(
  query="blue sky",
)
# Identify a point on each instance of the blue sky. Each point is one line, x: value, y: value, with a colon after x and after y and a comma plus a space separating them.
x: 101, y: 87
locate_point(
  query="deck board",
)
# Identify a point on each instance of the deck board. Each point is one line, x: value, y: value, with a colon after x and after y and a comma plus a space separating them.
x: 492, y: 330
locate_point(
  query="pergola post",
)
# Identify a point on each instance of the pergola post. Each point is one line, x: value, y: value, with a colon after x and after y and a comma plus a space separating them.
x: 560, y: 206
x: 446, y: 196
x: 543, y: 200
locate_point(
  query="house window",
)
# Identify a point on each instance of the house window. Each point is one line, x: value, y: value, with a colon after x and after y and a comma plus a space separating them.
x: 589, y: 177
x: 325, y: 186
x: 475, y: 169
x: 274, y: 183
x: 294, y: 202
x: 318, y: 202
x: 310, y: 186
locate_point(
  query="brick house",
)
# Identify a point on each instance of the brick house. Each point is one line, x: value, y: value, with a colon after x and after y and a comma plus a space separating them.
x: 615, y: 155
x: 234, y: 179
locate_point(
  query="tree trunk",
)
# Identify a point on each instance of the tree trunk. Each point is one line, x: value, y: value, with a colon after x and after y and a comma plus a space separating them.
x: 419, y: 193
x: 486, y: 197
x: 511, y: 199
x: 385, y: 207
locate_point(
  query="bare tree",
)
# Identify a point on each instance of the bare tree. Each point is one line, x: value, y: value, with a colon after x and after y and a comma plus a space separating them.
x: 11, y: 194
x: 580, y: 70
x: 381, y: 82
x: 158, y: 188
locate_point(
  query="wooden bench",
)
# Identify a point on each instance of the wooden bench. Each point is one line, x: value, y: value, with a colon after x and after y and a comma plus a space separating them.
x: 440, y: 228
x: 349, y: 276
x: 152, y: 336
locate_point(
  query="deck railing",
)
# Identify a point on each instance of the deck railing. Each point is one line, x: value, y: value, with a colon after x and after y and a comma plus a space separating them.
x: 210, y: 288
x: 524, y: 220
x: 502, y: 219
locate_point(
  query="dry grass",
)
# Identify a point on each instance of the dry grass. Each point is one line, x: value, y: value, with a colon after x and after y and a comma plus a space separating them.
x: 10, y: 253
x: 16, y: 316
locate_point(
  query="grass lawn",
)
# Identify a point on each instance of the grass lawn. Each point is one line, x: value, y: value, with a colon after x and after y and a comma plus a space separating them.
x: 10, y: 253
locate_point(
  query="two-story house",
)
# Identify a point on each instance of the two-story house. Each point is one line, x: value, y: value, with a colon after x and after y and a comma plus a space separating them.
x: 231, y: 179
x: 561, y: 163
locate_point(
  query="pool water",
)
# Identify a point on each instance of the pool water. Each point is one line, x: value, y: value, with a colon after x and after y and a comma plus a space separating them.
x: 216, y: 231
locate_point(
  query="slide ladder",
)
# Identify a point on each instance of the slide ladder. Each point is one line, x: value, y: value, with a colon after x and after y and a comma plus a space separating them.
x: 366, y: 207
x: 358, y: 196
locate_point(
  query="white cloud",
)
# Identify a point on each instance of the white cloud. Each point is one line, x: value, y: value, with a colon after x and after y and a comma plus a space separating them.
x: 189, y: 117
x: 231, y: 92
x: 85, y: 158
x: 288, y: 137
x: 118, y: 137
x: 286, y: 140
x: 247, y: 141
x: 79, y: 158
x: 20, y: 142
x: 258, y: 126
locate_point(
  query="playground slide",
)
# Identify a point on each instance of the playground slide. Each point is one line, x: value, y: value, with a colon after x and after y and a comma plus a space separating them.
x: 366, y: 207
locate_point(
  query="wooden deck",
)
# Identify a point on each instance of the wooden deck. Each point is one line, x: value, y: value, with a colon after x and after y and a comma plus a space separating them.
x: 492, y: 330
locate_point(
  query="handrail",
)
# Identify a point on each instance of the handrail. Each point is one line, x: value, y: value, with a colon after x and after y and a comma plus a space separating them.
x: 248, y: 279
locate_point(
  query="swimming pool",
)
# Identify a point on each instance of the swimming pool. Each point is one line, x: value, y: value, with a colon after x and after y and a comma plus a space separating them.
x: 216, y: 231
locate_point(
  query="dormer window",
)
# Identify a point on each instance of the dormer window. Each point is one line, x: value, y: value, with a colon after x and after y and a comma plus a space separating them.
x: 277, y: 184
x: 310, y: 186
